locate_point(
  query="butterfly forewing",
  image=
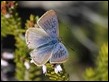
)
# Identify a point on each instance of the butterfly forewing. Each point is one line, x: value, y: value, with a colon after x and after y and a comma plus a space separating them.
x: 49, y: 23
x: 36, y: 37
x: 59, y: 54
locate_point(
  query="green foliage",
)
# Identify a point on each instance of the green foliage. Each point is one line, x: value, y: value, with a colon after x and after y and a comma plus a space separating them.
x: 100, y: 72
x: 12, y: 26
x: 21, y: 56
x: 62, y: 76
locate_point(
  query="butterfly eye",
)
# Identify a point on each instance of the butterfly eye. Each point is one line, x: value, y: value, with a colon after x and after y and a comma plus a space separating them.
x: 28, y: 43
x: 59, y: 39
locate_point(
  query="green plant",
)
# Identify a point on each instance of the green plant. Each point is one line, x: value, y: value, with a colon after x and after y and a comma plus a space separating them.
x: 100, y: 72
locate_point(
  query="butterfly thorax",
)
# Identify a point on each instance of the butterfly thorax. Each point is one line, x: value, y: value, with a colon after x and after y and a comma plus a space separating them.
x: 52, y: 42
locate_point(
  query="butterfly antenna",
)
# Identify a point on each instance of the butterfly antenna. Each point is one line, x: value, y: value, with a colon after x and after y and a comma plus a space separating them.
x: 67, y: 44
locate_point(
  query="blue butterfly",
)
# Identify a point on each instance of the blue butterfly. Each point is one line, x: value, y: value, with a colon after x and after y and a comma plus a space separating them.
x: 44, y: 42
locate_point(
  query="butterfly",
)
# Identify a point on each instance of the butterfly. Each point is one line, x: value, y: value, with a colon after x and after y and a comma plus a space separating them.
x: 44, y: 41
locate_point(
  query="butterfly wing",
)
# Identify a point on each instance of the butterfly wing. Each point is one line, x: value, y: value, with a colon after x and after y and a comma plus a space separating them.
x: 59, y: 54
x: 49, y: 23
x: 41, y: 55
x: 36, y: 37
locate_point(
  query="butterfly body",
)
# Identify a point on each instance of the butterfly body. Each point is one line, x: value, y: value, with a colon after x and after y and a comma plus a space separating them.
x: 52, y: 42
x: 44, y: 41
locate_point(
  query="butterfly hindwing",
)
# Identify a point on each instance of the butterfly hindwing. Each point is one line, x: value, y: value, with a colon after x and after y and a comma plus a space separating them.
x: 59, y: 54
x: 41, y: 55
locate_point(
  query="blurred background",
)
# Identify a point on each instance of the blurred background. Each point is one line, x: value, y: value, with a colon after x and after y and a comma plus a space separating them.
x: 83, y: 28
